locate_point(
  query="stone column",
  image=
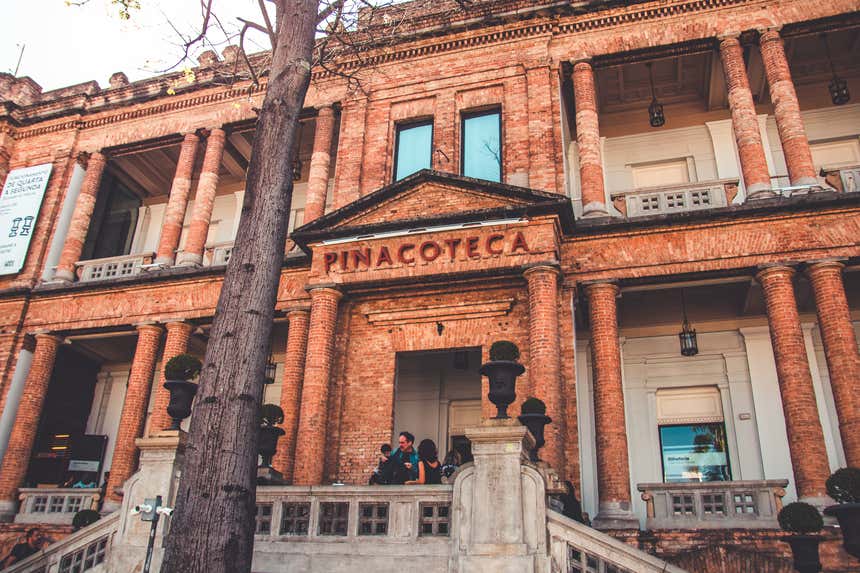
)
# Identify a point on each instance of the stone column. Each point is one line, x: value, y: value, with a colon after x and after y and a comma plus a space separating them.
x: 786, y: 110
x: 313, y: 412
x: 20, y: 448
x: 588, y: 141
x: 745, y: 121
x: 81, y: 216
x: 291, y: 390
x: 204, y: 200
x: 133, y: 411
x: 544, y: 356
x: 178, y: 334
x: 802, y: 423
x: 840, y: 349
x: 320, y: 161
x: 613, y: 467
x: 174, y: 214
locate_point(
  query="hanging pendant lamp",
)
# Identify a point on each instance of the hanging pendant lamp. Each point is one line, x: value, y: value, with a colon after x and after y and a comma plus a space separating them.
x: 655, y: 110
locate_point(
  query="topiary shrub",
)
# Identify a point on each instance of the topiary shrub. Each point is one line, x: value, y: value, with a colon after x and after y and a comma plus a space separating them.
x: 799, y: 517
x: 271, y: 415
x: 844, y: 485
x: 182, y: 367
x: 533, y: 406
x: 504, y: 350
x: 84, y: 518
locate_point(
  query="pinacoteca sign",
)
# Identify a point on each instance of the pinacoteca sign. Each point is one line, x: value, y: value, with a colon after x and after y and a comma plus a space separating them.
x: 19, y: 207
x: 434, y: 253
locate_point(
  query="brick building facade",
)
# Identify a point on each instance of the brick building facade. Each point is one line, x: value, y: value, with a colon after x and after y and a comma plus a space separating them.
x: 542, y: 208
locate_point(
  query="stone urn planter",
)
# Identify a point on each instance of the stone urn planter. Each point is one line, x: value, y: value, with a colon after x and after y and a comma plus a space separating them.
x: 533, y: 416
x: 270, y: 433
x: 804, y: 521
x: 178, y: 373
x: 844, y: 487
x: 502, y: 371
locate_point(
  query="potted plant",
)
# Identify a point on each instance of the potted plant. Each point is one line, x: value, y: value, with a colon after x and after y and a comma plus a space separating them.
x: 178, y: 375
x: 84, y: 518
x: 844, y: 487
x: 502, y: 371
x: 533, y: 416
x: 805, y: 522
x: 267, y: 444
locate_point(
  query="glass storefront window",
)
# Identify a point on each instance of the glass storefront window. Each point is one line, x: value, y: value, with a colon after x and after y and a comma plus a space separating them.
x: 482, y: 148
x: 694, y: 453
x: 413, y: 149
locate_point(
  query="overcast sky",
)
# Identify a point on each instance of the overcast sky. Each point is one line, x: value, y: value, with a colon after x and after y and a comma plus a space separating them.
x: 66, y: 45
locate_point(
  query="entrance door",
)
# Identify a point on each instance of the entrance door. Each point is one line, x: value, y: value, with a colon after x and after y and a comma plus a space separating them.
x: 437, y: 394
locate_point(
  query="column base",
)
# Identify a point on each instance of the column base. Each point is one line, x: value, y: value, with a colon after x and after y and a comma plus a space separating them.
x: 615, y: 515
x: 595, y: 209
x: 810, y: 181
x: 164, y: 261
x: 189, y: 260
x: 63, y: 276
x: 110, y: 506
x: 760, y: 191
x: 8, y: 511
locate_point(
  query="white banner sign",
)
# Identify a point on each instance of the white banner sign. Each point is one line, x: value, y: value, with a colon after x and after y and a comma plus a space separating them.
x: 19, y: 207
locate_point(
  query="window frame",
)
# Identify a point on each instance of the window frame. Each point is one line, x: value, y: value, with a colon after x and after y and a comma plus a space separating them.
x: 400, y: 126
x: 471, y: 114
x: 662, y: 455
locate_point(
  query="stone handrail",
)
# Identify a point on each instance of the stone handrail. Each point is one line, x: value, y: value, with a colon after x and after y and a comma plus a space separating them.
x: 88, y: 548
x: 675, y: 198
x: 112, y: 267
x: 750, y: 504
x: 57, y: 505
x: 577, y: 547
x: 218, y: 253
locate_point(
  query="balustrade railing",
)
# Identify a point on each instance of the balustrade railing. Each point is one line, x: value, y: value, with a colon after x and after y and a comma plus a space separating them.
x: 675, y: 198
x: 55, y: 505
x: 749, y: 504
x: 842, y: 179
x: 113, y: 267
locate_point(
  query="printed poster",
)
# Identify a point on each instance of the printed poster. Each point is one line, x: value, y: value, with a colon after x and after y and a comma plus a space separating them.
x: 19, y: 208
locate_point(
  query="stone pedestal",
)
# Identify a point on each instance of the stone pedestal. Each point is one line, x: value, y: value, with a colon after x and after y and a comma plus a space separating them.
x: 499, y: 517
x: 161, y: 458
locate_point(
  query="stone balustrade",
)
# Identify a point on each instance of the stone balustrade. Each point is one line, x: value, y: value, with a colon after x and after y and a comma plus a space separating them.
x: 842, y: 179
x: 675, y: 198
x: 113, y: 267
x: 751, y: 504
x: 218, y: 254
x: 55, y: 505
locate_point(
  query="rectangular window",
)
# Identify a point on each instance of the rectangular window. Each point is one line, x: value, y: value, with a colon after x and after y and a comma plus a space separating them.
x: 413, y: 148
x: 482, y: 145
x: 694, y: 452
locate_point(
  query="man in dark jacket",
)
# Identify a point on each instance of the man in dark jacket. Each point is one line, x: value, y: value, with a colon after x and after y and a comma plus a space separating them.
x: 406, y: 455
x: 32, y: 543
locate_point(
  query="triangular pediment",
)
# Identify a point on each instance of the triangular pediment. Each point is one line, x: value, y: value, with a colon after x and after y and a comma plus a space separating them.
x: 431, y: 197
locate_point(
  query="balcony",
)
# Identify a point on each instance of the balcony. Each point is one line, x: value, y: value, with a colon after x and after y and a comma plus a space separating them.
x: 55, y: 505
x: 675, y: 198
x: 713, y: 505
x: 113, y: 267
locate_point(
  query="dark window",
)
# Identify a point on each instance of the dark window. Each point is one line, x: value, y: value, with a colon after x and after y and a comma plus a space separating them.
x: 482, y: 145
x: 695, y: 453
x: 413, y: 148
x: 434, y: 519
x: 372, y: 518
x: 334, y: 516
x: 295, y: 518
x: 263, y: 518
x: 113, y: 222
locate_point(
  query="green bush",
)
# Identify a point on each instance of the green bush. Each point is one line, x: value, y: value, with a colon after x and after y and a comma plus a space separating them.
x: 271, y: 415
x: 844, y: 485
x: 504, y: 350
x: 182, y: 367
x: 533, y: 406
x: 84, y: 518
x: 799, y: 517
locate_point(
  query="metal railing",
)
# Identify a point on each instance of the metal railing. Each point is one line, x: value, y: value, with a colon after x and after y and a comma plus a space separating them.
x: 112, y: 267
x: 749, y: 504
x: 675, y: 198
x: 577, y: 548
x: 55, y: 505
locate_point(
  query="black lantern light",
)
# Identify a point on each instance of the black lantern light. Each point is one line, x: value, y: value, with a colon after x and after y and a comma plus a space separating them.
x: 655, y: 110
x: 297, y: 162
x: 687, y: 336
x: 271, y: 367
x: 838, y: 87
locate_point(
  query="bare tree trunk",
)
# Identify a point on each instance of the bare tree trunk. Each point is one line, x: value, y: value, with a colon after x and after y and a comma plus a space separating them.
x: 212, y: 529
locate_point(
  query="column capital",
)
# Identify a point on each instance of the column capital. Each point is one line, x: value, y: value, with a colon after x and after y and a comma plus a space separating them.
x: 817, y: 267
x: 768, y: 271
x: 583, y: 63
x: 325, y: 109
x: 47, y: 336
x: 769, y: 34
x: 731, y: 37
x: 541, y: 268
x: 297, y: 311
x: 178, y: 324
x: 325, y: 290
x: 190, y: 135
x: 149, y: 326
x: 595, y: 286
